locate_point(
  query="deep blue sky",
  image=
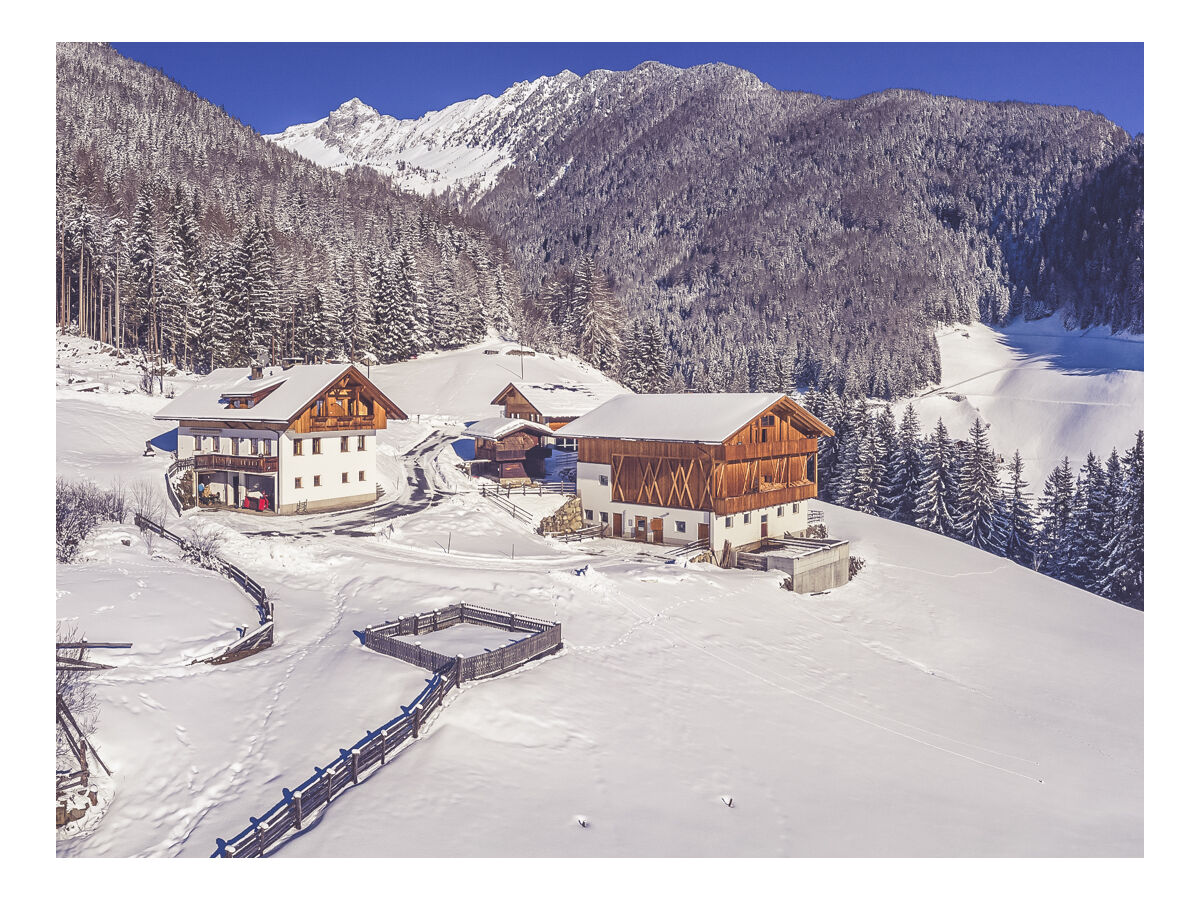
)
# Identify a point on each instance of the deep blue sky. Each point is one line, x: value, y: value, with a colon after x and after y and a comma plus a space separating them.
x: 271, y: 86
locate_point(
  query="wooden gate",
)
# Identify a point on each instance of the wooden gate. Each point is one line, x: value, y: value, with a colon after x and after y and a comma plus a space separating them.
x: 618, y: 529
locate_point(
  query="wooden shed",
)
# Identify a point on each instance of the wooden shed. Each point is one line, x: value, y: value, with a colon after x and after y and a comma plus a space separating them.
x: 511, y: 449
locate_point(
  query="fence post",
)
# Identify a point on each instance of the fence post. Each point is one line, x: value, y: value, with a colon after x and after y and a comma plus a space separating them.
x: 416, y: 720
x: 383, y: 746
x: 258, y: 837
x: 354, y: 764
x: 328, y: 779
x: 298, y: 809
x: 458, y: 670
x: 512, y: 621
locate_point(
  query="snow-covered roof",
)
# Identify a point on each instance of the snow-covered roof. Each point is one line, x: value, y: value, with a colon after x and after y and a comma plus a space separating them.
x: 565, y: 399
x: 498, y: 427
x: 290, y: 391
x: 703, y: 418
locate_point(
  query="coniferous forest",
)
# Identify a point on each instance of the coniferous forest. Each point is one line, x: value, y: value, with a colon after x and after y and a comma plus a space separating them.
x: 1086, y: 528
x: 183, y: 233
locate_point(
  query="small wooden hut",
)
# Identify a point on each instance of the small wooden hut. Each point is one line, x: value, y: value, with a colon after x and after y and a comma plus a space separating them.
x: 510, y: 449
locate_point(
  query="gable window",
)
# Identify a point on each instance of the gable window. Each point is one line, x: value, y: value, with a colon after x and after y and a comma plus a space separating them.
x: 316, y: 446
x: 321, y: 407
x: 297, y: 447
x: 681, y: 526
x: 604, y: 479
x: 345, y: 445
x: 768, y: 421
x: 345, y: 478
x: 362, y: 442
x: 299, y: 482
x: 317, y: 482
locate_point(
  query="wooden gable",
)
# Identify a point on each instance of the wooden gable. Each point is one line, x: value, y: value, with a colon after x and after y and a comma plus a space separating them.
x: 349, y: 403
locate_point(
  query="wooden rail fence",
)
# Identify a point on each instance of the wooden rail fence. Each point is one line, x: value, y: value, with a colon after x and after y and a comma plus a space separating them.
x: 253, y: 640
x: 351, y: 766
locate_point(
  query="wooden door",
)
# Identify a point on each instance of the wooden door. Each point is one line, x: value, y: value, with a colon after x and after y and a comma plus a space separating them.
x: 640, y: 528
x: 656, y: 528
x: 764, y: 526
x: 702, y: 531
x: 618, y: 531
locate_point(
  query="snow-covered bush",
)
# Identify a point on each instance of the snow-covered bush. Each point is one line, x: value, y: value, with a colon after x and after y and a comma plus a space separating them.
x: 75, y: 689
x: 203, y: 546
x: 78, y: 508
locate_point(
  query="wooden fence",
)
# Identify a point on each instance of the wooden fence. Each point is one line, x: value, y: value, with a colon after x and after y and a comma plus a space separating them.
x: 174, y: 469
x: 254, y: 640
x: 538, y: 487
x: 543, y: 637
x: 508, y: 506
x: 327, y: 782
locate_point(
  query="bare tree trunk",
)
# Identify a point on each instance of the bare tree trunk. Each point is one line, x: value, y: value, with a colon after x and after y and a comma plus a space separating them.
x: 117, y: 302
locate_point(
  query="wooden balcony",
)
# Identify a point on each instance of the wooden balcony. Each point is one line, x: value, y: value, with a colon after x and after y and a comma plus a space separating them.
x: 727, y: 506
x: 226, y: 462
x: 739, y: 452
x: 340, y: 423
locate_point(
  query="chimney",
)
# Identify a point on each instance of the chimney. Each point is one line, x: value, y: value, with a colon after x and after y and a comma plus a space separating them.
x: 255, y: 371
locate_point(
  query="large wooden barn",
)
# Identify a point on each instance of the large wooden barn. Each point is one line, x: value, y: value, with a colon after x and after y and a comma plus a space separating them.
x: 676, y: 468
x: 282, y: 440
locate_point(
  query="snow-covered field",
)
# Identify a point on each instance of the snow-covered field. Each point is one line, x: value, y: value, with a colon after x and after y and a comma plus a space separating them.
x: 1045, y: 391
x: 946, y: 702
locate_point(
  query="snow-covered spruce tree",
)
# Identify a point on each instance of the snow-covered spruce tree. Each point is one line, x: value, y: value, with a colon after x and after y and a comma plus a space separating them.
x: 181, y: 279
x: 903, y: 481
x: 978, y: 492
x: 829, y: 449
x: 1125, y: 581
x: 934, y: 509
x: 870, y: 467
x: 144, y: 286
x: 1088, y: 563
x: 600, y: 327
x: 1017, y: 534
x: 1056, y: 508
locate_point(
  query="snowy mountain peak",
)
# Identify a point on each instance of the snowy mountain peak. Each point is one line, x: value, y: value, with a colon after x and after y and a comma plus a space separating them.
x: 468, y: 144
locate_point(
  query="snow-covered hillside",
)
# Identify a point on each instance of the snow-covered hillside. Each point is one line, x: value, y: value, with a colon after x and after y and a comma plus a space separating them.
x: 946, y: 702
x: 1043, y: 390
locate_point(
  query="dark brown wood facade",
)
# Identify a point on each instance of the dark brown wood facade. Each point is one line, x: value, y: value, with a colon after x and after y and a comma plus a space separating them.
x: 770, y: 461
x: 517, y: 455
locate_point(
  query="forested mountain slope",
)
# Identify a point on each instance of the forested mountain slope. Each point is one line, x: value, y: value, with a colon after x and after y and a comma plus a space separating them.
x: 182, y: 231
x: 780, y: 237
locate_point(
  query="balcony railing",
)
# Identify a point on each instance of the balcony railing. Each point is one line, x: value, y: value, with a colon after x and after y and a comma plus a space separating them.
x: 237, y: 463
x: 737, y: 452
x: 341, y: 423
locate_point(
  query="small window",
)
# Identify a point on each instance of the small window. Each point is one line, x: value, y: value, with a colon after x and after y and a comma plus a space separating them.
x: 235, y: 446
x: 681, y: 526
x: 317, y: 483
x: 795, y: 508
x: 316, y: 446
x: 345, y: 445
x: 362, y: 442
x: 768, y: 421
x: 362, y: 475
x: 779, y: 511
x: 764, y: 517
x: 745, y: 518
x: 321, y: 407
x: 604, y: 517
x: 254, y: 446
x: 297, y: 447
x: 345, y: 478
x: 199, y: 442
x: 587, y: 514
x: 299, y: 482
x: 729, y: 521
x: 604, y: 479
